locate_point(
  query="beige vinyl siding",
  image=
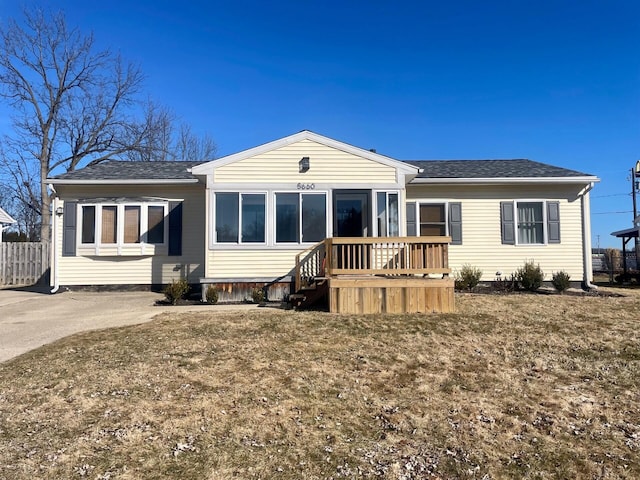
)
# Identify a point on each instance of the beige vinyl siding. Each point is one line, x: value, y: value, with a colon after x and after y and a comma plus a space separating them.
x: 130, y: 269
x: 327, y: 165
x: 265, y: 263
x: 481, y: 229
x: 268, y: 263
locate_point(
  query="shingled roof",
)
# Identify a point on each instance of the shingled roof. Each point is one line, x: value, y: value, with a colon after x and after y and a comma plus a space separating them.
x: 117, y: 170
x: 122, y: 170
x: 518, y: 168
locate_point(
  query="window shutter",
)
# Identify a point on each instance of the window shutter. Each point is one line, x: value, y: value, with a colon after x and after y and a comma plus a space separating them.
x: 553, y: 222
x: 69, y: 222
x: 175, y: 228
x: 411, y: 219
x: 455, y: 223
x: 508, y: 223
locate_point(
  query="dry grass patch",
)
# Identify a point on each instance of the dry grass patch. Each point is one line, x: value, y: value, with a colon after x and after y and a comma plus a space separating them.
x: 518, y: 386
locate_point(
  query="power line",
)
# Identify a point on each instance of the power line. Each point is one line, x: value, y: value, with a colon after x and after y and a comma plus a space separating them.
x: 612, y: 195
x: 609, y: 213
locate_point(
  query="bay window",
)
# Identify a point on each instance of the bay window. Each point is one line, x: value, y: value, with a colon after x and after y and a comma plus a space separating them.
x: 122, y: 224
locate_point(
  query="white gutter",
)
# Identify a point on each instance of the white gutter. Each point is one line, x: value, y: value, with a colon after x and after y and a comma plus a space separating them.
x: 503, y: 180
x: 586, y: 238
x: 54, y: 250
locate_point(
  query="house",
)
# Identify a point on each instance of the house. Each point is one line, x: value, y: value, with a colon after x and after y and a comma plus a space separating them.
x: 5, y: 221
x: 255, y: 217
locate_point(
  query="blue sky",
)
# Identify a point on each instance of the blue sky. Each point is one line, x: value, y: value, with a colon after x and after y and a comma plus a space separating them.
x: 553, y: 81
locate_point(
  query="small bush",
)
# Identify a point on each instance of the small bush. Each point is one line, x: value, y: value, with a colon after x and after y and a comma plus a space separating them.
x: 530, y: 276
x: 257, y: 295
x: 176, y: 290
x: 211, y: 295
x: 505, y: 284
x: 467, y: 278
x: 561, y: 281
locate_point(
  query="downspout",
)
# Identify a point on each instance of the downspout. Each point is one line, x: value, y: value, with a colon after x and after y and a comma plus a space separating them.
x: 586, y: 238
x: 54, y: 246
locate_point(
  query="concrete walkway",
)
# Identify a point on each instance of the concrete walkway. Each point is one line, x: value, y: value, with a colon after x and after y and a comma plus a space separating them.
x: 29, y: 319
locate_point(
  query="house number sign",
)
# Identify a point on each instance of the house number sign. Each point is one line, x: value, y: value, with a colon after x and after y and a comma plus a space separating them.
x: 306, y: 186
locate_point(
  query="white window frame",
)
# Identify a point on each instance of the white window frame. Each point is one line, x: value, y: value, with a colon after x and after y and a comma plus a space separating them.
x: 240, y: 194
x: 401, y: 219
x: 120, y: 207
x: 300, y: 194
x: 419, y: 202
x: 544, y: 222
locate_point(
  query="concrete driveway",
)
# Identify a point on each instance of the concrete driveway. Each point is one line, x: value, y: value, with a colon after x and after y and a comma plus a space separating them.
x: 29, y: 319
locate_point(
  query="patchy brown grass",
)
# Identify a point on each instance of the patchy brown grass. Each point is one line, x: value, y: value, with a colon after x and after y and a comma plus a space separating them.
x: 517, y: 386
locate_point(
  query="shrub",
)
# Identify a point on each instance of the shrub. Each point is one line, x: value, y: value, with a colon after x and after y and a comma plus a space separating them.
x: 505, y: 284
x: 257, y: 295
x: 211, y: 295
x: 176, y: 290
x: 530, y: 276
x: 467, y: 278
x: 561, y: 281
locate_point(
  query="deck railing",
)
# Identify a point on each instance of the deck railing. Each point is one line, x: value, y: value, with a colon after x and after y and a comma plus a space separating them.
x: 387, y: 255
x: 373, y: 256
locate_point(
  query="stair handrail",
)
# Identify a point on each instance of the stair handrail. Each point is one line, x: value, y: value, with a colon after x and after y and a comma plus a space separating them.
x: 311, y: 261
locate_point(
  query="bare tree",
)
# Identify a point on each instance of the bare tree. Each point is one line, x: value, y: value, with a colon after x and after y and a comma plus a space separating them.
x: 20, y: 193
x: 168, y: 140
x: 71, y: 103
x: 189, y: 146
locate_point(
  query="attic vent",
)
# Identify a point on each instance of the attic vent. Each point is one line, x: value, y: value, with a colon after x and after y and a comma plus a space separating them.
x: 372, y: 150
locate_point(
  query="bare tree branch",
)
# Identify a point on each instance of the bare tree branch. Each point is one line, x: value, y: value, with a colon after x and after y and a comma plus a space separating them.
x: 74, y: 105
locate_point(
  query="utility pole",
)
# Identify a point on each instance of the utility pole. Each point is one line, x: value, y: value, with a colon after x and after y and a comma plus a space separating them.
x: 635, y: 174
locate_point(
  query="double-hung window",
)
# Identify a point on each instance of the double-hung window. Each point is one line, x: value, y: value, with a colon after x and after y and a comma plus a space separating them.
x: 122, y: 224
x: 240, y: 217
x: 387, y: 214
x: 530, y: 222
x: 530, y: 217
x: 436, y: 219
x: 300, y: 217
x: 433, y: 219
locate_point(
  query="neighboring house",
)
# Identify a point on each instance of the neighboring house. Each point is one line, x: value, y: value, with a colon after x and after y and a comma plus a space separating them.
x: 242, y: 219
x: 5, y: 221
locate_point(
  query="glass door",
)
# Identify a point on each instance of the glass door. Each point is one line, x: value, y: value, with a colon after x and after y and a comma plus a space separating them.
x: 351, y: 213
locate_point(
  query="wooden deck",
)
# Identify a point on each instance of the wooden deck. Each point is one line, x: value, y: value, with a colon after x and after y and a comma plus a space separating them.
x: 378, y: 275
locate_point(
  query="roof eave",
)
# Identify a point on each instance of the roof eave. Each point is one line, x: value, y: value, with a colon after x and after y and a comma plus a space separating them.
x: 146, y: 181
x: 627, y: 233
x: 506, y: 180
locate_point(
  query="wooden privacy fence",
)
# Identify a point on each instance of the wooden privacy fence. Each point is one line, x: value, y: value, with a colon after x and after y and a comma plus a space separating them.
x: 23, y: 263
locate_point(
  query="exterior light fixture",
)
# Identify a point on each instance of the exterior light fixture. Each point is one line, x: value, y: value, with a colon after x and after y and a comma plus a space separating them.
x: 59, y: 211
x: 303, y: 165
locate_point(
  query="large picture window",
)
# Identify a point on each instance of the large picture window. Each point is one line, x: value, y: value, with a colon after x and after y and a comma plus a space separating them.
x: 122, y: 224
x: 240, y: 217
x: 300, y: 217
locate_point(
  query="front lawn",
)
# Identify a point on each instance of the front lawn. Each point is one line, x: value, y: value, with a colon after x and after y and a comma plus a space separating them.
x: 514, y: 386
